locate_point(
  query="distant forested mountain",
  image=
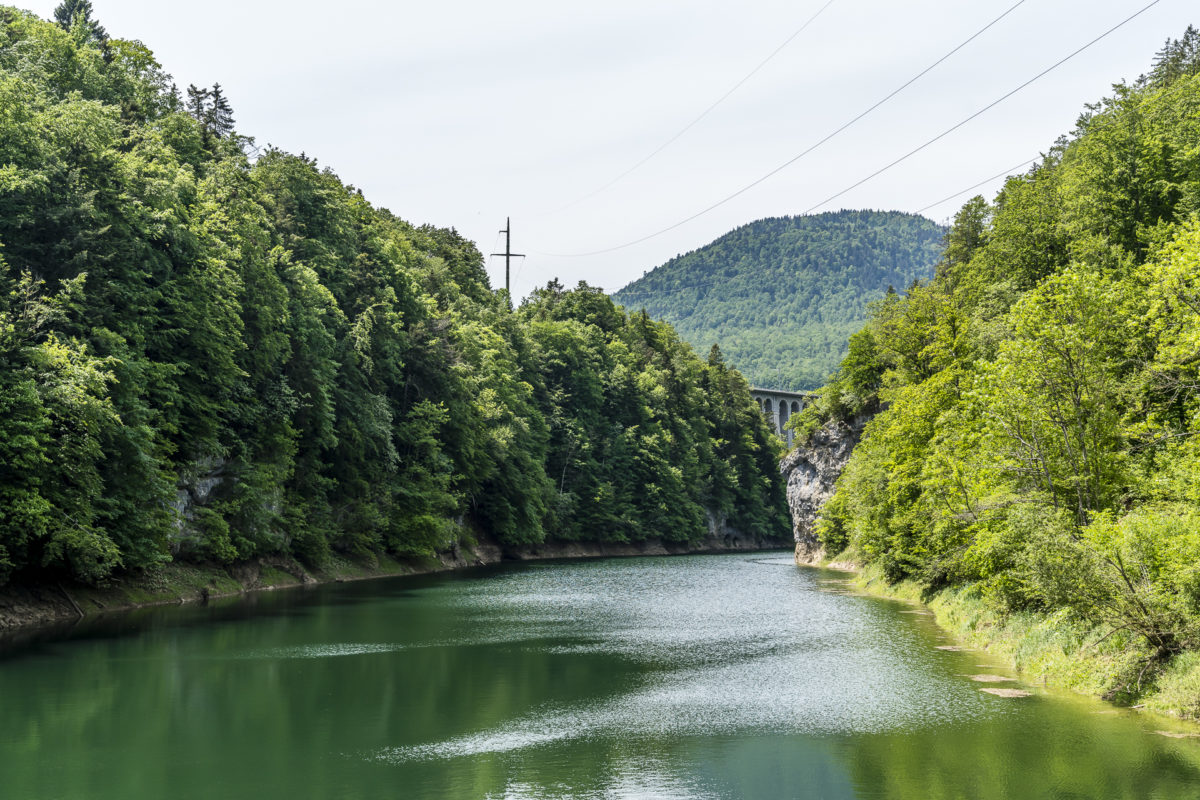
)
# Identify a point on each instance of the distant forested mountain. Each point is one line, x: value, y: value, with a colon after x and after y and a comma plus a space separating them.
x: 782, y: 295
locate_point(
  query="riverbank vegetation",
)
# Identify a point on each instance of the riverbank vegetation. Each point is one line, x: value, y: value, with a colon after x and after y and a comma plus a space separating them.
x: 215, y: 351
x: 1036, y: 451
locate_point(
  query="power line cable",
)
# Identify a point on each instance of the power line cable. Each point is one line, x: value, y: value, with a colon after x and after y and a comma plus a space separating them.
x: 707, y: 283
x: 1087, y: 126
x: 669, y: 290
x: 813, y: 147
x: 986, y: 108
x: 639, y: 293
x: 495, y: 247
x: 708, y: 110
x: 666, y: 290
x: 878, y: 172
x: 1010, y: 171
x: 520, y: 267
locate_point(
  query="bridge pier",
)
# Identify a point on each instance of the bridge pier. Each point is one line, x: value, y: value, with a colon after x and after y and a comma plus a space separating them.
x: 778, y: 407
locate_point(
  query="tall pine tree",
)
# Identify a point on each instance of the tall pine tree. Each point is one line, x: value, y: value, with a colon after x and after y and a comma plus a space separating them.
x: 79, y: 12
x: 211, y: 109
x: 219, y: 117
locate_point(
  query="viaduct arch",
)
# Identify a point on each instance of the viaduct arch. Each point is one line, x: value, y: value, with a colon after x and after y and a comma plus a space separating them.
x: 778, y: 406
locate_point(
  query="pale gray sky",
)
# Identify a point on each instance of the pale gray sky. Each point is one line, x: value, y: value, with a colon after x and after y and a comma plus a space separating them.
x: 462, y: 112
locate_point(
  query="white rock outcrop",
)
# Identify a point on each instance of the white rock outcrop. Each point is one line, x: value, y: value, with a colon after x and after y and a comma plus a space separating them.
x: 811, y: 472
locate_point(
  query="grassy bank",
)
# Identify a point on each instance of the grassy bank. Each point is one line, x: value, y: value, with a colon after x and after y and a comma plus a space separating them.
x: 1054, y: 649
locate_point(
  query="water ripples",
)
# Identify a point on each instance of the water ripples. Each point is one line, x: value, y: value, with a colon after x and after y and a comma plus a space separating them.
x: 728, y: 659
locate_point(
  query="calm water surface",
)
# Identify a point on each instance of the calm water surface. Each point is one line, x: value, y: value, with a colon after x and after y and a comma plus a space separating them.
x: 689, y: 677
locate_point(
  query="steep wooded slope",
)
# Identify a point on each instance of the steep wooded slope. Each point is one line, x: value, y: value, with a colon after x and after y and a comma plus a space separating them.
x: 209, y: 356
x: 782, y: 295
x: 1040, y: 397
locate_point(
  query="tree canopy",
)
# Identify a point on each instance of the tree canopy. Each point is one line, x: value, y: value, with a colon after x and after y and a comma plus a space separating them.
x: 1040, y: 395
x: 782, y: 295
x: 204, y: 356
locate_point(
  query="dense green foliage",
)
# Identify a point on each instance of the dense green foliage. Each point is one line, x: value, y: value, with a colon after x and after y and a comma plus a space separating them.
x: 1041, y: 393
x: 782, y: 295
x: 208, y: 356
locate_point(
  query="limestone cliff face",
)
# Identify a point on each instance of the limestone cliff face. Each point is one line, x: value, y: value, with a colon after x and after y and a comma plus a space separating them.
x: 810, y: 472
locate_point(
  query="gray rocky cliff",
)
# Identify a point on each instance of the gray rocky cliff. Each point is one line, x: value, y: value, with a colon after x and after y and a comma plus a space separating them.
x: 810, y: 472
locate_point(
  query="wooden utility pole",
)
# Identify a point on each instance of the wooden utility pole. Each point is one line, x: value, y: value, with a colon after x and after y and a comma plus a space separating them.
x: 509, y: 255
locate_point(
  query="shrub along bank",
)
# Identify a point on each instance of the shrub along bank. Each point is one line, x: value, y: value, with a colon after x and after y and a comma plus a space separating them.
x: 1035, y: 465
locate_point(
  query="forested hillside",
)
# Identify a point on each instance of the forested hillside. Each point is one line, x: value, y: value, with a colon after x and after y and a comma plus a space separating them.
x: 782, y: 295
x: 1041, y: 394
x: 208, y: 351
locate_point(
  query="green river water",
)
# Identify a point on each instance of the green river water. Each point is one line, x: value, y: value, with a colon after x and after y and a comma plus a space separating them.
x: 733, y: 676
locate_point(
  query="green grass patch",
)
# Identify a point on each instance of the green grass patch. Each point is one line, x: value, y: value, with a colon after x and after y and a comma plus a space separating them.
x: 1178, y: 692
x: 273, y: 576
x: 1054, y: 649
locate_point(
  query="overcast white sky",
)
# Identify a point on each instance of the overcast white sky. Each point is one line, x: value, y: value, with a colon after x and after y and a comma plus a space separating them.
x: 462, y: 112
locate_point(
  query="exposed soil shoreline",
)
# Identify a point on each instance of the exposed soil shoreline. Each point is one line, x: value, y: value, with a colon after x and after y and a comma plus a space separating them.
x: 31, y: 607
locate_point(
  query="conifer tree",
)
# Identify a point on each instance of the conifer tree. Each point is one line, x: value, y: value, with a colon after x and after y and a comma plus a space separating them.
x: 1177, y: 59
x: 197, y: 102
x: 72, y: 12
x: 211, y: 109
x: 219, y: 117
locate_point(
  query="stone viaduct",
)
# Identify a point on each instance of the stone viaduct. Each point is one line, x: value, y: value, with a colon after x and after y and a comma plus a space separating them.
x: 777, y: 406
